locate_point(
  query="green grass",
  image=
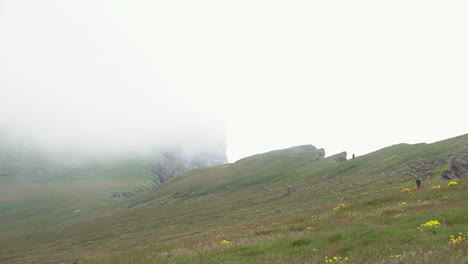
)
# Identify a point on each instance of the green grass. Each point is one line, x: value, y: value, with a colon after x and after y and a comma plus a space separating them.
x: 185, y: 219
x: 359, y: 231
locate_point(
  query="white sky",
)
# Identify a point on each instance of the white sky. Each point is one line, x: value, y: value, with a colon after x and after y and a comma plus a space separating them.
x: 350, y: 76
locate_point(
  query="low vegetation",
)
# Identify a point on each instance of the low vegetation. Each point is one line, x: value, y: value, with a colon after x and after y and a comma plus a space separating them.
x: 365, y: 210
x: 423, y: 226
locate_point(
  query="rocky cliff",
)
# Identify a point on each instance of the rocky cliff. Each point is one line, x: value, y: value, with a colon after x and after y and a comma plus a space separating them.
x: 458, y: 166
x: 176, y: 162
x: 128, y: 172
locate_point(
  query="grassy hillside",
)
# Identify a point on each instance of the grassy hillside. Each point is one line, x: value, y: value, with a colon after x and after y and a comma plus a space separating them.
x: 20, y: 165
x: 427, y: 225
x: 239, y: 213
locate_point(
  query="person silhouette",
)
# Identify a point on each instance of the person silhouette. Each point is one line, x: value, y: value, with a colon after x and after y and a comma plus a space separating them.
x: 418, y: 182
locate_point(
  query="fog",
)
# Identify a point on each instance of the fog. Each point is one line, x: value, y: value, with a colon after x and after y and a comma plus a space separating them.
x: 85, y: 75
x: 119, y: 75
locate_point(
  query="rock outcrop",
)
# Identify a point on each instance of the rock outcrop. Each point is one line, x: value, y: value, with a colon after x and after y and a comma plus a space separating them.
x: 174, y: 162
x: 340, y: 157
x: 457, y: 164
x: 458, y: 167
x: 177, y: 162
x: 122, y: 195
x: 321, y: 154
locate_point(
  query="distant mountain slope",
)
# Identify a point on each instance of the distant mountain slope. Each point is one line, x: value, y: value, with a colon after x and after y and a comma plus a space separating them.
x: 246, y: 193
x: 22, y: 164
x: 391, y: 166
x: 40, y: 190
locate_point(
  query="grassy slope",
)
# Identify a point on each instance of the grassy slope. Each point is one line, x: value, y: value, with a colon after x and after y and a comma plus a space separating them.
x: 39, y: 193
x: 185, y: 219
x: 36, y: 168
x: 378, y: 229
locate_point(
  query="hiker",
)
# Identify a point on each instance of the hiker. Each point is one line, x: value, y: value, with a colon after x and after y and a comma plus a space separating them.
x: 418, y: 182
x: 289, y: 189
x: 354, y: 156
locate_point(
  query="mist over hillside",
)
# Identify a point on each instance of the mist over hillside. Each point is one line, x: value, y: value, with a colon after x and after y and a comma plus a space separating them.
x: 122, y: 164
x: 117, y: 119
x: 246, y: 203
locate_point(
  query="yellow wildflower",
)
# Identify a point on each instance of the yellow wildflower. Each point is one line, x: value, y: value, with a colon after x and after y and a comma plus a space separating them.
x: 432, y: 223
x: 340, y: 205
x: 431, y: 226
x: 225, y: 242
x: 335, y: 259
x: 455, y: 239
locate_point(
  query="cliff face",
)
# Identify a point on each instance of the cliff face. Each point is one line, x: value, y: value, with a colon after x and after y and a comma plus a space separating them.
x: 125, y: 174
x: 458, y: 166
x: 173, y: 163
x: 177, y: 162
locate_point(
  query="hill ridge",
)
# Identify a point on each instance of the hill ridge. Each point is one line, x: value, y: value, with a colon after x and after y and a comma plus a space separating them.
x: 203, y: 203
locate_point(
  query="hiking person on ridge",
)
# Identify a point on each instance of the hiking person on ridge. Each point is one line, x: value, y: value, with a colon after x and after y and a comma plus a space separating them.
x: 289, y: 189
x: 418, y: 182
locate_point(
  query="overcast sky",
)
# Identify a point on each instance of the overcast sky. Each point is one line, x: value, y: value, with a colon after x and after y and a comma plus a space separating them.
x: 351, y: 76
